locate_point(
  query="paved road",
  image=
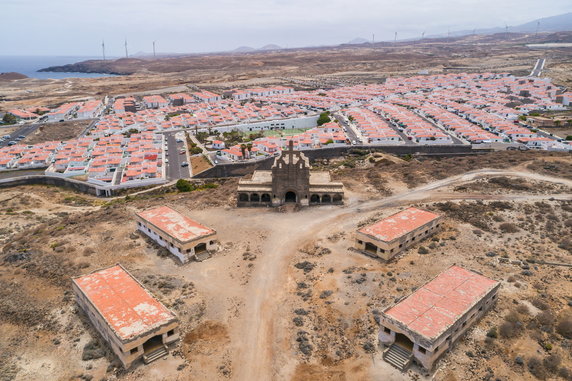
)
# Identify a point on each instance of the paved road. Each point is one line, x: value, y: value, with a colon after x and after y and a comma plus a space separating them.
x: 174, y: 169
x: 25, y: 130
x: 538, y: 67
x: 349, y: 130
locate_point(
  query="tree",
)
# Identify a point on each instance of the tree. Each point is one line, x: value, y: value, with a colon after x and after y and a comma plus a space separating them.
x: 243, y: 150
x: 522, y: 118
x: 249, y: 147
x: 557, y: 123
x: 9, y: 118
x: 324, y: 118
x: 569, y: 121
x: 184, y: 185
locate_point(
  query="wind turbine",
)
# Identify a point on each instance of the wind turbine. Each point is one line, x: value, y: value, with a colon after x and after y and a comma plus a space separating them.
x: 395, y: 39
x: 537, y: 27
x: 126, y: 53
x: 154, y: 56
x: 103, y: 48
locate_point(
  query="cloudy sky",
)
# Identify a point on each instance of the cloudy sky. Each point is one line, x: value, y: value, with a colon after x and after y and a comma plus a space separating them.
x: 77, y: 27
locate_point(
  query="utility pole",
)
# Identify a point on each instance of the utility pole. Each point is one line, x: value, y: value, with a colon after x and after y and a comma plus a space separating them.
x: 395, y: 39
x: 154, y: 56
x: 126, y: 53
x: 537, y: 27
x: 373, y: 38
x: 103, y: 48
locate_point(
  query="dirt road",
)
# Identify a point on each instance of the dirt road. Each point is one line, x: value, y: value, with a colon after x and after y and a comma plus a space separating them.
x: 263, y: 352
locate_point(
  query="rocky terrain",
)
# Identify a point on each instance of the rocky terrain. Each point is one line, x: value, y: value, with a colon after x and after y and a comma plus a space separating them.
x: 286, y: 296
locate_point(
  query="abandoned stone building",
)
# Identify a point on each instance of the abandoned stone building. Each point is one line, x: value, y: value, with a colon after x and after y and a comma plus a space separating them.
x: 290, y: 181
x: 134, y: 324
x: 184, y: 238
x: 426, y: 324
x: 388, y: 237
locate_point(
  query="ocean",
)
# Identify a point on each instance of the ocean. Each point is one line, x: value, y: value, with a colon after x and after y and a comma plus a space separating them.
x: 29, y: 65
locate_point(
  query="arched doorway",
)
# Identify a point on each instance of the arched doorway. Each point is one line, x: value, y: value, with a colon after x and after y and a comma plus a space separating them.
x: 265, y: 197
x: 337, y: 198
x: 254, y: 197
x: 326, y: 199
x: 290, y: 197
x: 314, y: 199
x: 243, y: 197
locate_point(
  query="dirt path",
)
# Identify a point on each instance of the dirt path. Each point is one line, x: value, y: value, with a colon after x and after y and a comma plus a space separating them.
x: 260, y: 341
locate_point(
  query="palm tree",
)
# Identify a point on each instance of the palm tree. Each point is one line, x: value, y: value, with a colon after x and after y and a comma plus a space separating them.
x: 249, y: 147
x: 243, y: 150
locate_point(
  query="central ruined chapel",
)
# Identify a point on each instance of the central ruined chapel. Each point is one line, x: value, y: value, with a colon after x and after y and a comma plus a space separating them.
x: 290, y: 181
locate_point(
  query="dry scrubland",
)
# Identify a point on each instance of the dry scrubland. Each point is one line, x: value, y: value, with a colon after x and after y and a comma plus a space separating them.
x: 286, y: 297
x: 57, y: 131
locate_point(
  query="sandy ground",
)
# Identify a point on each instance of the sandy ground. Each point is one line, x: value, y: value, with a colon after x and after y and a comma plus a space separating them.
x: 237, y: 309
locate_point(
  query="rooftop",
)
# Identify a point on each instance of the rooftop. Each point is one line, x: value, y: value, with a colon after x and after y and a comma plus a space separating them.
x: 175, y: 224
x: 399, y: 224
x: 128, y: 308
x: 434, y: 307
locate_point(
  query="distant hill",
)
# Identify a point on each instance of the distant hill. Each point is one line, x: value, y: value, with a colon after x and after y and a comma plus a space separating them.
x: 559, y: 23
x: 12, y: 76
x: 358, y: 40
x: 244, y: 49
x: 270, y: 47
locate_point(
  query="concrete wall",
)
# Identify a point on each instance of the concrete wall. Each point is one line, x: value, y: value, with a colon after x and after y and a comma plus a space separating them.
x: 50, y: 180
x: 244, y: 168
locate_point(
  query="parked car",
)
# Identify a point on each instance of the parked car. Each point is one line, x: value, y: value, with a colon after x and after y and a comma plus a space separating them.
x: 22, y: 136
x: 184, y: 164
x: 182, y: 152
x: 179, y: 140
x: 12, y: 143
x: 6, y: 136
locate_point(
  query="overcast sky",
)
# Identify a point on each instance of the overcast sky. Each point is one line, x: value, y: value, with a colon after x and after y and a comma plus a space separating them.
x: 77, y: 27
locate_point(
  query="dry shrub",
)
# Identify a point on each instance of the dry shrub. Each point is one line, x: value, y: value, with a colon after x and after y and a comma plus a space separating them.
x: 552, y: 362
x: 546, y: 318
x: 540, y: 304
x: 536, y: 368
x: 508, y: 227
x: 564, y: 327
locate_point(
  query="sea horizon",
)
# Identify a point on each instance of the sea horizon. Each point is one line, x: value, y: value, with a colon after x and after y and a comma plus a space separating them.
x: 29, y: 66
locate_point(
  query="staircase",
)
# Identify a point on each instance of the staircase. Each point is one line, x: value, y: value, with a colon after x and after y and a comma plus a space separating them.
x: 155, y: 355
x: 202, y: 256
x: 397, y: 356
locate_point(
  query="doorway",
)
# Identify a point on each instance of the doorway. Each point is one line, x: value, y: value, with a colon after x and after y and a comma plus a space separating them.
x: 290, y: 197
x: 371, y: 248
x: 200, y: 248
x: 153, y: 344
x: 403, y: 341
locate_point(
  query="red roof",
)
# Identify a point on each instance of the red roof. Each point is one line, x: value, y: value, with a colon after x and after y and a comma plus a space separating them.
x: 128, y: 308
x: 434, y: 307
x: 175, y: 224
x: 399, y: 224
